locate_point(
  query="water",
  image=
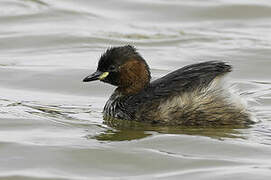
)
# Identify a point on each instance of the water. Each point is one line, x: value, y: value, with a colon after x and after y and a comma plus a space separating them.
x: 51, y: 125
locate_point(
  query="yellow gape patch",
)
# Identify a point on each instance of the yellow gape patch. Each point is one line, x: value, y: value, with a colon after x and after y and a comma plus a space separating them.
x: 104, y: 75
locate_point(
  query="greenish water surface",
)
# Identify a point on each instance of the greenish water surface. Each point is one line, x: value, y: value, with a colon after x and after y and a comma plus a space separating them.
x: 51, y: 125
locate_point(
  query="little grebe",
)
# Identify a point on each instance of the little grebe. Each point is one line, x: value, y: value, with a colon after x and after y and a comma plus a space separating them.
x: 192, y: 95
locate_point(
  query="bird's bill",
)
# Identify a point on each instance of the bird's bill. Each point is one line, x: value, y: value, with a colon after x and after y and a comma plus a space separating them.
x: 98, y: 75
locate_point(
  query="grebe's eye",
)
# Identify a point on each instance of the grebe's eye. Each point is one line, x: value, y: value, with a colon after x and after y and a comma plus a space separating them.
x: 112, y: 68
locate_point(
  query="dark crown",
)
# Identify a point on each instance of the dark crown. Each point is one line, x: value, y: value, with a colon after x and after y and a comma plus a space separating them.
x: 118, y: 56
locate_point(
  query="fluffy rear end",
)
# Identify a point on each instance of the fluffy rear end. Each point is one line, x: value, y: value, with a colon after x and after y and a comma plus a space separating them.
x: 213, y: 105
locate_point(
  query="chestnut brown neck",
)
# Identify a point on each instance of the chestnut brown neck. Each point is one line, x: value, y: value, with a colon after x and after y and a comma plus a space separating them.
x: 134, y: 76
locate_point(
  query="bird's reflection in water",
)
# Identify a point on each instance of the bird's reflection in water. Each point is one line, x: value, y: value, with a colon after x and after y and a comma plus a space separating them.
x: 122, y: 130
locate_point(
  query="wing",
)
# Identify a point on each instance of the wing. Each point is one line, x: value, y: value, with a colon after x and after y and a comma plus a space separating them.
x: 184, y: 79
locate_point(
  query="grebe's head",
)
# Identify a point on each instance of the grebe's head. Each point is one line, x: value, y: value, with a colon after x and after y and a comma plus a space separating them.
x: 123, y: 67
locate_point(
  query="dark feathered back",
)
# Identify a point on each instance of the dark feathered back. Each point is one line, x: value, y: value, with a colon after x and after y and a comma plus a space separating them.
x: 184, y: 79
